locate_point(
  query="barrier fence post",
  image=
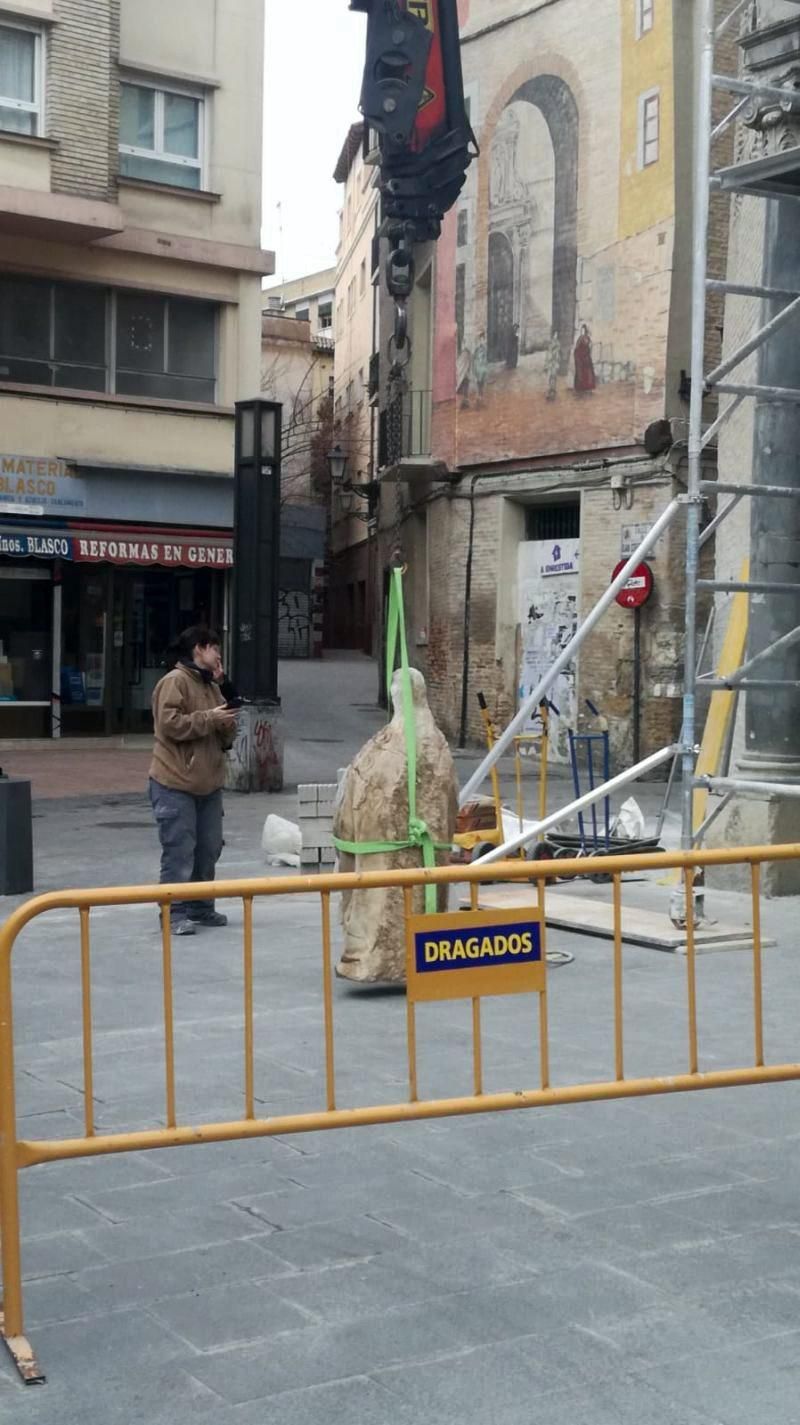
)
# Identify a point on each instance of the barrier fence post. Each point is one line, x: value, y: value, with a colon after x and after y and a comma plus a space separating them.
x: 544, y: 1032
x: 12, y: 1318
x: 169, y: 1025
x: 619, y: 1058
x: 691, y: 966
x: 249, y: 1048
x: 758, y: 1005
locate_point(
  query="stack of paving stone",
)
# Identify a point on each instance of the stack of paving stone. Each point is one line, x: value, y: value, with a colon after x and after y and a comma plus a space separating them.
x: 315, y: 804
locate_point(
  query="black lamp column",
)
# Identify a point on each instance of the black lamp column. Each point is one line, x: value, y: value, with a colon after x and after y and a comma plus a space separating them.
x: 256, y: 542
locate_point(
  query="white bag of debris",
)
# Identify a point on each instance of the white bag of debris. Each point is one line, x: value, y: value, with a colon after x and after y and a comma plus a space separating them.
x: 629, y: 825
x: 281, y: 842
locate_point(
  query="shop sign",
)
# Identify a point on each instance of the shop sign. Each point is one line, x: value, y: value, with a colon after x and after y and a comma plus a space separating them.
x: 478, y: 953
x: 41, y: 486
x: 43, y: 546
x: 113, y: 549
x: 561, y: 559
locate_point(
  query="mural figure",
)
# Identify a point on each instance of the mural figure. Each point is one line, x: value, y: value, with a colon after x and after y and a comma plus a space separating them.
x: 585, y: 378
x: 553, y: 366
x: 480, y: 366
x: 512, y: 351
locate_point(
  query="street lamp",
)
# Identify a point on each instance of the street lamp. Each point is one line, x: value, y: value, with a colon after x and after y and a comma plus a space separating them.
x: 337, y: 463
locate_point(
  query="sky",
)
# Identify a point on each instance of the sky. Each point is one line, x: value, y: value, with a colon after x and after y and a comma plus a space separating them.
x: 313, y: 65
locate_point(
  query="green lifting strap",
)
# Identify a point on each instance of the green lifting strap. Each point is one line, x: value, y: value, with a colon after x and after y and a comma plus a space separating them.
x: 418, y: 833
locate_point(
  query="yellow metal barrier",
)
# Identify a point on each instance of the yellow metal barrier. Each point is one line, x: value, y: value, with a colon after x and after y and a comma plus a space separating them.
x: 16, y: 1154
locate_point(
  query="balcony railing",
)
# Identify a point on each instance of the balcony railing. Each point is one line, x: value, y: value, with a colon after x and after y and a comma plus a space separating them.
x: 405, y: 429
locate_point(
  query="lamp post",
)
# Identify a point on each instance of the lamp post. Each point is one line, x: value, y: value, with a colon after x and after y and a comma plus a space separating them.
x: 257, y: 760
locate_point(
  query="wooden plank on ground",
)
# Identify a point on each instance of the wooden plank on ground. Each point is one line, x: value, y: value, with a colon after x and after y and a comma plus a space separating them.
x: 596, y: 917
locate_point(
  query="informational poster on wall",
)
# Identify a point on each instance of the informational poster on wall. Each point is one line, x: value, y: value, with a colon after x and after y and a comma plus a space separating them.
x: 548, y: 580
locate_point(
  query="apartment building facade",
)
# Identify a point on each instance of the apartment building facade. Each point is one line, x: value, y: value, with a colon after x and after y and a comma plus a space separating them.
x: 130, y: 324
x: 297, y: 370
x: 353, y: 548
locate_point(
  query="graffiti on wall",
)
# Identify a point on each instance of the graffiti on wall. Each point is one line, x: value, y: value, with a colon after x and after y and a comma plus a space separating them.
x: 548, y: 620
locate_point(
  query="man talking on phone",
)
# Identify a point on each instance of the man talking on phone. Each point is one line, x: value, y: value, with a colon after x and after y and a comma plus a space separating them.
x: 194, y: 728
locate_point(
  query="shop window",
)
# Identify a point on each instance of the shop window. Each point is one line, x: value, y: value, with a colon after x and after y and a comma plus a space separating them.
x: 161, y: 135
x: 26, y: 601
x: 21, y: 52
x: 557, y: 521
x: 165, y: 347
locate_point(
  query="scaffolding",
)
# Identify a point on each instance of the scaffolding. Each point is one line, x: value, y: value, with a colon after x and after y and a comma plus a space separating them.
x: 776, y: 176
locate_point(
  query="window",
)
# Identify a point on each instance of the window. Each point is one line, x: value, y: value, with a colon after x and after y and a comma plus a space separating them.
x: 362, y: 281
x: 560, y: 521
x: 362, y: 386
x: 463, y: 228
x: 161, y: 135
x: 20, y: 80
x: 301, y: 314
x: 649, y: 128
x: 165, y: 347
x: 645, y: 16
x: 325, y: 316
x: 351, y: 298
x: 53, y: 334
x: 340, y: 318
x: 60, y: 334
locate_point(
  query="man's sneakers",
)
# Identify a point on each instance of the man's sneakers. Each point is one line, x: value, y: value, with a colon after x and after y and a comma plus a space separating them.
x: 206, y: 917
x: 182, y: 927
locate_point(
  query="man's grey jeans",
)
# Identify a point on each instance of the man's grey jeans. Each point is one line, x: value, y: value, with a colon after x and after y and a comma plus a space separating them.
x: 190, y: 831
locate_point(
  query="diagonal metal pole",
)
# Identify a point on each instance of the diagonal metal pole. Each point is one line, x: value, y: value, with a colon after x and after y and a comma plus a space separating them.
x: 565, y: 657
x: 534, y: 830
x: 779, y: 646
x: 756, y: 340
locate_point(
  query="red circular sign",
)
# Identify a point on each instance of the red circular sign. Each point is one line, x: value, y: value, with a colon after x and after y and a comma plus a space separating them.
x: 638, y: 588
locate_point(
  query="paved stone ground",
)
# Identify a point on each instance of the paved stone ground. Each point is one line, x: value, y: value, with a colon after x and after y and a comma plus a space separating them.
x: 593, y: 1265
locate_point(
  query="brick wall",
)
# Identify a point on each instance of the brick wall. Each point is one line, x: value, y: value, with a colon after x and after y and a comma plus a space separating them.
x: 83, y: 96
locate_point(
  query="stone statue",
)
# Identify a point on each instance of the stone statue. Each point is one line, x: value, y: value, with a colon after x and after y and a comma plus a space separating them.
x: 373, y: 806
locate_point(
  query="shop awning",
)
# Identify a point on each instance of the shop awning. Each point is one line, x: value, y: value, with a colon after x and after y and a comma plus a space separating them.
x: 104, y: 546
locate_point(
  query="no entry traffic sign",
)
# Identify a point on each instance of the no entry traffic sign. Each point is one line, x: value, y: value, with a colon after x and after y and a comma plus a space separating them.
x: 638, y: 588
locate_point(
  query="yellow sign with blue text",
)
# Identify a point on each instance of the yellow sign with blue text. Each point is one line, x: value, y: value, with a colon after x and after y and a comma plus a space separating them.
x: 475, y: 953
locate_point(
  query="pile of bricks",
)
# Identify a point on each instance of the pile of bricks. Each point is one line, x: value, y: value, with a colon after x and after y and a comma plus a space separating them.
x: 315, y: 804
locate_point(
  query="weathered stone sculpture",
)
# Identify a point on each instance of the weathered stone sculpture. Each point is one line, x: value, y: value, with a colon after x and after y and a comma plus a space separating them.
x: 373, y: 807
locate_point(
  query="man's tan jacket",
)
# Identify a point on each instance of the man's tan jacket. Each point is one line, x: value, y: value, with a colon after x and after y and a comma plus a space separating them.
x: 189, y: 751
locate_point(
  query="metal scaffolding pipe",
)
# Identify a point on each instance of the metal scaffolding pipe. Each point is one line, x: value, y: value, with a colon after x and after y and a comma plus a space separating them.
x: 535, y: 829
x: 790, y: 394
x: 743, y: 788
x: 702, y: 201
x: 756, y: 340
x: 565, y: 657
x: 726, y: 487
x: 779, y: 646
x: 711, y: 529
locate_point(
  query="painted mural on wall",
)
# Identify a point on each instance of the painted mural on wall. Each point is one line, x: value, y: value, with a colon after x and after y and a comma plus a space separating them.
x: 559, y: 311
